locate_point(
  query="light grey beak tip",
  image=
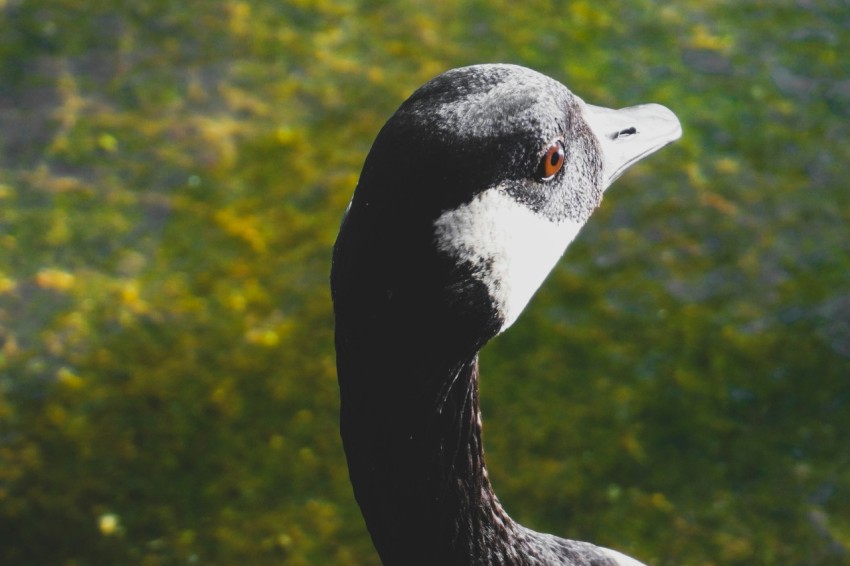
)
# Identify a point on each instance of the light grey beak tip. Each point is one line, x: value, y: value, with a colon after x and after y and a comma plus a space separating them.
x: 660, y: 119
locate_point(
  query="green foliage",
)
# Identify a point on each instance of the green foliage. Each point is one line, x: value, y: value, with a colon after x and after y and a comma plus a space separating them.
x: 172, y: 176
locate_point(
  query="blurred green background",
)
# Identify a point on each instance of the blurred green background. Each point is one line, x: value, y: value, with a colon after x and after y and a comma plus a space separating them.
x: 172, y: 176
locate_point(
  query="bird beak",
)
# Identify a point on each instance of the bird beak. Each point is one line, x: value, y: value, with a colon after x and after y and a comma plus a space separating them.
x: 628, y: 135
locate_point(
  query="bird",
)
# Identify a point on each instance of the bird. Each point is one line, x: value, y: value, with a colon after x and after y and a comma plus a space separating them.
x: 468, y: 197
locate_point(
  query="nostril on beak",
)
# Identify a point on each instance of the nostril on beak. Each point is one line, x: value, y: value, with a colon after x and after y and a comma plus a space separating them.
x: 623, y: 133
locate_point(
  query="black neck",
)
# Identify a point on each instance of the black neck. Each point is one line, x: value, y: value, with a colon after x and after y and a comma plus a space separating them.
x: 412, y: 433
x: 409, y: 325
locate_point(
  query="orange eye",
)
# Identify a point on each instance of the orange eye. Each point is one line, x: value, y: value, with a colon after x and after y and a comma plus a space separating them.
x: 553, y: 161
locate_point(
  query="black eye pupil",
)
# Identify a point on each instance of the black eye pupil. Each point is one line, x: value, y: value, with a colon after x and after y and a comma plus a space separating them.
x: 556, y: 157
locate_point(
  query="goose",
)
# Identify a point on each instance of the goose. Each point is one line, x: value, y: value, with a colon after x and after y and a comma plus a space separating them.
x: 468, y: 197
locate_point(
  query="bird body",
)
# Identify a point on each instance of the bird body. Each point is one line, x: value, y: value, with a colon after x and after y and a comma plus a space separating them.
x: 470, y: 194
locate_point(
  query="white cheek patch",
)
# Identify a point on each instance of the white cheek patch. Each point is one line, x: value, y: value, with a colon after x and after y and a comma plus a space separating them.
x: 511, y: 248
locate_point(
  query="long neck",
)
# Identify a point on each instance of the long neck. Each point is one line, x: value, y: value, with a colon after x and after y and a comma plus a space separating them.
x: 409, y: 325
x: 407, y: 340
x: 412, y: 433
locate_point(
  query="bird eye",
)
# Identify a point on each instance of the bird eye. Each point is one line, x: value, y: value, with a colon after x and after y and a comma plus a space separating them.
x: 553, y: 161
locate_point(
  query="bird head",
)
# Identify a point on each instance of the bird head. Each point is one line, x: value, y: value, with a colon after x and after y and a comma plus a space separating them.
x: 477, y: 184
